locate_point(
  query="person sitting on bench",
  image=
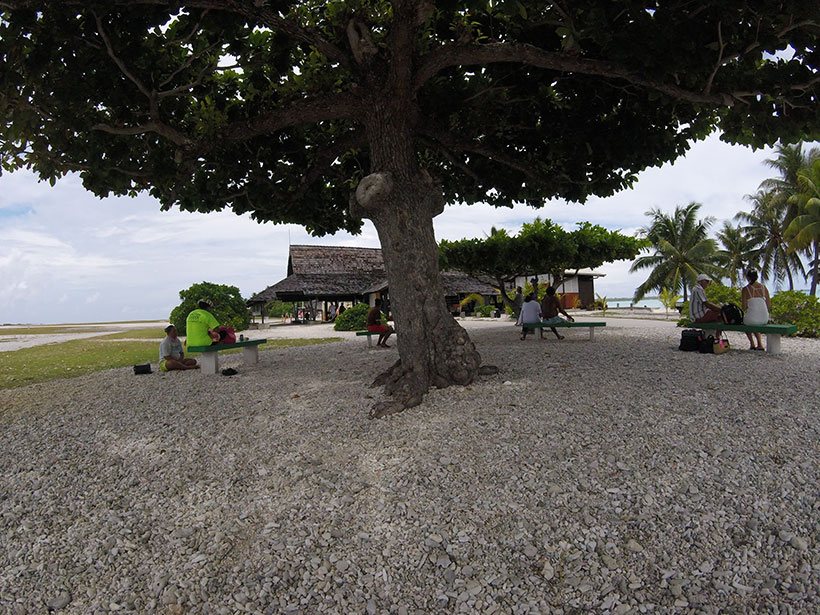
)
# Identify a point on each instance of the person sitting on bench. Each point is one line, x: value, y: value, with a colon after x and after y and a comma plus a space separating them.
x: 550, y: 308
x: 530, y: 314
x: 201, y: 325
x: 171, y: 356
x: 701, y: 310
x: 374, y: 324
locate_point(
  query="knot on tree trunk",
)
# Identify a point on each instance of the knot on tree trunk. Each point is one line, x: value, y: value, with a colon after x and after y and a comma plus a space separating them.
x: 373, y: 192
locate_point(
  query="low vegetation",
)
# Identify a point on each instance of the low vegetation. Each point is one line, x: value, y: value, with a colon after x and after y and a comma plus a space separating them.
x: 352, y: 319
x: 78, y: 357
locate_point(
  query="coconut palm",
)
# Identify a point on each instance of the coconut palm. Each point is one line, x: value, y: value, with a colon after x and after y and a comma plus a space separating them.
x: 682, y: 250
x: 765, y: 227
x: 736, y: 253
x: 804, y: 229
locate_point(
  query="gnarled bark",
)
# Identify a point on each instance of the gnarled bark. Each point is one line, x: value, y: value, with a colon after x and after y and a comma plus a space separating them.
x: 434, y: 349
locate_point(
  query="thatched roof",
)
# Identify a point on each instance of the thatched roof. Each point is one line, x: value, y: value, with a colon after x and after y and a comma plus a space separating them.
x: 334, y: 259
x: 331, y: 272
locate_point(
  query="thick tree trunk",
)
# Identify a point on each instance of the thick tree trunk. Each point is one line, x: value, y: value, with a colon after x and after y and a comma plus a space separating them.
x: 434, y: 349
x: 815, y: 268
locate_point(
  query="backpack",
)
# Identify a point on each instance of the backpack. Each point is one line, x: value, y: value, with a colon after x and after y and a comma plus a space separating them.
x: 690, y: 339
x: 732, y: 315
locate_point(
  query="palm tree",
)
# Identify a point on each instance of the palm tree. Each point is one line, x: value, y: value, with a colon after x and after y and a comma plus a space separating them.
x: 765, y: 227
x: 682, y: 250
x: 804, y: 229
x: 737, y: 252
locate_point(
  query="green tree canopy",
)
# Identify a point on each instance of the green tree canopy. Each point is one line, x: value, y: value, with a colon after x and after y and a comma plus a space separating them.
x: 322, y: 113
x: 539, y: 247
x: 228, y: 305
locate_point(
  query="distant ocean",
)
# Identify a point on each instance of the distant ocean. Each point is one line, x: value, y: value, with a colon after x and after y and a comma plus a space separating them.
x: 625, y: 302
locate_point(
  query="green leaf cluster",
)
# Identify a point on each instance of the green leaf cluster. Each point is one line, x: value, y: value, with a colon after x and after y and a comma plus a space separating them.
x: 228, y: 305
x: 794, y: 307
x: 277, y: 308
x: 352, y: 319
x: 541, y: 246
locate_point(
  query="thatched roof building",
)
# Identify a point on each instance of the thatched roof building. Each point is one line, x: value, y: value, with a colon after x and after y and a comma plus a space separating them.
x: 334, y: 273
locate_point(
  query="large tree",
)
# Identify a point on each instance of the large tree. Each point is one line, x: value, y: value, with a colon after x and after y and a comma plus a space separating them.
x: 736, y: 252
x: 326, y: 112
x: 539, y: 247
x: 765, y: 226
x: 681, y: 250
x: 804, y: 229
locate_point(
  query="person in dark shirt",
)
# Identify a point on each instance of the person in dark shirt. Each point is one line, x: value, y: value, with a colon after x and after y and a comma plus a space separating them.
x: 374, y: 324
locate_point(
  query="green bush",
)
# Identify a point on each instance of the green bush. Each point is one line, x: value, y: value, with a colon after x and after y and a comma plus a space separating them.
x: 485, y: 310
x: 353, y: 318
x: 796, y: 308
x: 278, y: 308
x: 228, y: 306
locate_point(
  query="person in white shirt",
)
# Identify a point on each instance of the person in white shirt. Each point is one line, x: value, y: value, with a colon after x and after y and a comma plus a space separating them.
x: 701, y: 310
x: 530, y: 314
x: 171, y: 355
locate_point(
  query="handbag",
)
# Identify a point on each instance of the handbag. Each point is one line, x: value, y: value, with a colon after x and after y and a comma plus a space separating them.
x: 707, y: 345
x: 145, y: 368
x: 721, y: 345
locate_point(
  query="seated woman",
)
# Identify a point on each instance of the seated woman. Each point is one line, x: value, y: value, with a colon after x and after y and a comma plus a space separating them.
x: 530, y: 314
x: 755, y: 301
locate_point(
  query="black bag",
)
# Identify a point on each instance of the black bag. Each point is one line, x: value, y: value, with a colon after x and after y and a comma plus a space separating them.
x: 142, y: 369
x: 707, y: 345
x: 732, y: 315
x: 690, y: 339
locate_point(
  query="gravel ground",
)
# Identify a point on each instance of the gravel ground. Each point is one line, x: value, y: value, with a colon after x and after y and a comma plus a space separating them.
x: 617, y: 476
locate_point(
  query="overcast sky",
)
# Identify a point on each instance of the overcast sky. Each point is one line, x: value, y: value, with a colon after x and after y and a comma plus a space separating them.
x: 67, y: 256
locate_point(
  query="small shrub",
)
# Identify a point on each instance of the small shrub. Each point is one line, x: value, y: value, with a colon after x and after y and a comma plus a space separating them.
x: 485, y: 310
x: 796, y: 308
x: 279, y: 308
x: 669, y: 299
x: 600, y: 304
x: 228, y: 306
x: 479, y: 300
x: 353, y: 318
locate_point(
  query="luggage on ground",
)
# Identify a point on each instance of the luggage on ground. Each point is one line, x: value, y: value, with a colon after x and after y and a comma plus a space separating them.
x: 690, y: 339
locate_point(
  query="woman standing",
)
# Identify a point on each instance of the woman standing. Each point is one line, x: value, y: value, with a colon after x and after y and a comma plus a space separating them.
x: 756, y: 304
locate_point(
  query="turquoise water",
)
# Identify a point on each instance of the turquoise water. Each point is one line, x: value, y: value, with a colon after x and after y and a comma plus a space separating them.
x: 624, y: 302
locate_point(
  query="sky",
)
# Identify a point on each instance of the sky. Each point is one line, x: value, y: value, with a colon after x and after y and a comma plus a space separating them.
x: 67, y: 256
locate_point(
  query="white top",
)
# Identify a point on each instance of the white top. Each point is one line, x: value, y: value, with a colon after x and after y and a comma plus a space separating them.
x: 530, y: 312
x: 170, y: 348
x: 757, y: 312
x: 697, y: 309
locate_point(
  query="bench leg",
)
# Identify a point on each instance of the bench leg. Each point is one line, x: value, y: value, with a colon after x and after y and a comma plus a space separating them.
x: 250, y: 355
x: 591, y: 333
x: 209, y: 363
x: 772, y: 343
x: 369, y: 341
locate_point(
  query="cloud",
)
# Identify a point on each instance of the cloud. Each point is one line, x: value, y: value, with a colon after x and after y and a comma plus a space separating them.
x: 61, y: 246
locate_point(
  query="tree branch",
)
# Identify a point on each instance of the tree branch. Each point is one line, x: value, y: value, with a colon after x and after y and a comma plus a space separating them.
x: 159, y: 128
x: 325, y: 157
x: 459, y: 55
x: 123, y: 68
x: 454, y: 142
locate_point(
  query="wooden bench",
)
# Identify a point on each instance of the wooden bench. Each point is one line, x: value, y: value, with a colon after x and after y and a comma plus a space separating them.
x: 567, y: 325
x: 210, y: 354
x: 773, y: 332
x: 369, y: 335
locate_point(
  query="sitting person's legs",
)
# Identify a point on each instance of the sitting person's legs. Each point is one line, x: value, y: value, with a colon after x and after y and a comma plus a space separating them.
x: 167, y: 365
x: 710, y: 316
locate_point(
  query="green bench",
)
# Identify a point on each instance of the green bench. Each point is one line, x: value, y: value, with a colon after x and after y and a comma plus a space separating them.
x: 568, y: 325
x: 773, y: 332
x: 209, y: 362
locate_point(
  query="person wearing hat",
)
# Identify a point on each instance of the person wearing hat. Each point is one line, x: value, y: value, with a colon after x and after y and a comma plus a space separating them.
x: 171, y: 355
x: 701, y: 310
x: 201, y: 325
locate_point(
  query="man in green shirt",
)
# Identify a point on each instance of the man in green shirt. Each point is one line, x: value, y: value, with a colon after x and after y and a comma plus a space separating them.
x: 201, y: 325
